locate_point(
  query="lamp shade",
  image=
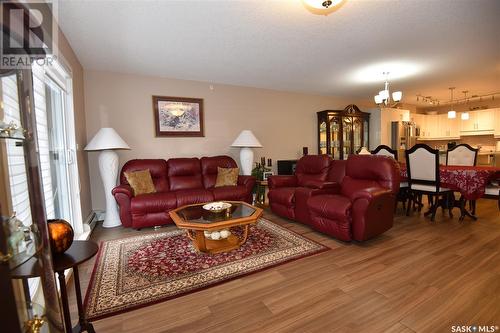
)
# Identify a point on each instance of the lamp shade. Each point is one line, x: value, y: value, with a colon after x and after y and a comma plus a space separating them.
x: 464, y: 116
x: 378, y: 99
x: 106, y: 138
x: 452, y: 114
x: 396, y: 96
x: 384, y: 94
x: 246, y: 139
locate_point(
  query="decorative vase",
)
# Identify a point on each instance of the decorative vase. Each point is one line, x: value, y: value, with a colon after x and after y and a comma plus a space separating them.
x: 60, y: 234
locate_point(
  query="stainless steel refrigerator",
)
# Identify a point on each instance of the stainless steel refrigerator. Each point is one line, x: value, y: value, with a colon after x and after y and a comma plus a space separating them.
x: 403, y: 134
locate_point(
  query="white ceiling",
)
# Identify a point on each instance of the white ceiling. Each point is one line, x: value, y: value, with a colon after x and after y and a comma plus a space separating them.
x: 280, y: 45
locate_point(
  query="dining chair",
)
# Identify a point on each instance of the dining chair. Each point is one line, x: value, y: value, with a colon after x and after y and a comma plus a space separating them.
x: 403, y: 194
x: 492, y: 191
x: 386, y: 151
x: 422, y: 163
x: 462, y: 154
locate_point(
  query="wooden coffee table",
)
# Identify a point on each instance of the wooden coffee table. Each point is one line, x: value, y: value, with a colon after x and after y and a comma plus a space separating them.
x: 197, y: 220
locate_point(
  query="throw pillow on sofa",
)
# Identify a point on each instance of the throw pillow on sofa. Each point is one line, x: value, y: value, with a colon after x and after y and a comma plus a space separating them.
x: 227, y: 177
x: 140, y: 181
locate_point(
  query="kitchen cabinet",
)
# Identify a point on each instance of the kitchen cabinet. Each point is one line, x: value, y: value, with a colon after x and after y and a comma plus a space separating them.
x: 448, y: 128
x: 497, y: 124
x: 479, y: 123
x: 437, y: 127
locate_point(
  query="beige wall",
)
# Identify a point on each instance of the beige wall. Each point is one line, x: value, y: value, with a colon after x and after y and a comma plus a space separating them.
x: 71, y: 60
x: 283, y: 122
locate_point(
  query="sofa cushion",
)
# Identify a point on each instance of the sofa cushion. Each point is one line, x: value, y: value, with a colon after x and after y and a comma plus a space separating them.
x: 184, y: 174
x: 226, y: 177
x: 382, y: 169
x: 153, y: 203
x: 331, y: 214
x: 140, y: 181
x: 283, y: 196
x: 188, y: 197
x: 209, y: 168
x: 312, y: 168
x: 235, y: 193
x: 157, y: 168
x: 336, y: 172
x: 335, y: 207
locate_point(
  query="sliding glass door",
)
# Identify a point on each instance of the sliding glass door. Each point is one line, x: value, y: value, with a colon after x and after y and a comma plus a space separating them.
x: 56, y: 135
x: 58, y: 153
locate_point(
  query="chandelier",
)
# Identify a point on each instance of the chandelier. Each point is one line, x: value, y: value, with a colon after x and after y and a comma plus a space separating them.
x: 322, y: 7
x: 384, y: 96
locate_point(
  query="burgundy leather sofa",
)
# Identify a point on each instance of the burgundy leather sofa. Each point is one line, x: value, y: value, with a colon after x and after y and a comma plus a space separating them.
x: 178, y: 182
x: 364, y: 206
x: 314, y: 175
x: 351, y: 199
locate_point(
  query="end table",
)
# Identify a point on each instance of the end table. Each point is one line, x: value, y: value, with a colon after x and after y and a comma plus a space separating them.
x: 79, y: 252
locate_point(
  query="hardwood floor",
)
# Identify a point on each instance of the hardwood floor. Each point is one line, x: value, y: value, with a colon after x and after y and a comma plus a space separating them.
x: 418, y: 277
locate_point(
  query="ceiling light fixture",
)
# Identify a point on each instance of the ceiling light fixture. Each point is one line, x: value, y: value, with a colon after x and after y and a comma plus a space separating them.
x: 465, y: 115
x: 384, y: 97
x: 322, y: 7
x: 452, y: 114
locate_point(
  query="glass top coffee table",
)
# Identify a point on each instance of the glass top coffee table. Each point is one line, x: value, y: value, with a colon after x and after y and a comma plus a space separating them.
x: 216, y: 232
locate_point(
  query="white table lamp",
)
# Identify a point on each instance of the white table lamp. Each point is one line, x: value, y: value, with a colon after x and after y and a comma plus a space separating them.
x: 246, y: 140
x: 106, y: 140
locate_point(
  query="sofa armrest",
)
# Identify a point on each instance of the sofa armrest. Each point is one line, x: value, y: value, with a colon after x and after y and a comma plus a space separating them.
x: 370, y: 193
x: 281, y: 181
x: 123, y: 189
x: 320, y: 185
x: 247, y: 181
x: 123, y: 194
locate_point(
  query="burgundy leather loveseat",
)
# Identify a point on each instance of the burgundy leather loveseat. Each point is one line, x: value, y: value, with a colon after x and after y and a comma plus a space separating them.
x: 359, y: 207
x: 178, y: 182
x: 314, y: 175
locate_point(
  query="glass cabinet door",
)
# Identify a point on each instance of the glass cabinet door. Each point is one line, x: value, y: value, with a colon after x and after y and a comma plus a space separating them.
x: 347, y: 128
x: 335, y: 137
x: 366, y: 133
x: 357, y: 126
x: 24, y: 244
x: 322, y: 138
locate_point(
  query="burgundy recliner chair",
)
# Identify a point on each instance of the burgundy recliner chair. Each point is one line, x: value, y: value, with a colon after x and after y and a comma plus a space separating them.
x: 364, y: 206
x: 288, y: 195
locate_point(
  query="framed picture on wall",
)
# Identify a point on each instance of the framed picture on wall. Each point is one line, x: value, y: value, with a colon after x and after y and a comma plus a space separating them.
x: 178, y: 116
x: 266, y: 174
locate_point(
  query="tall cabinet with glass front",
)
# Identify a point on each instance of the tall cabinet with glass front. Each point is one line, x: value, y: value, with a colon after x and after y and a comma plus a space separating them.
x: 342, y: 132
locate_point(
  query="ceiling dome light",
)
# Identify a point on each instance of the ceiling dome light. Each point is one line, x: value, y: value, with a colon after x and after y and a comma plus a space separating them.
x: 322, y: 7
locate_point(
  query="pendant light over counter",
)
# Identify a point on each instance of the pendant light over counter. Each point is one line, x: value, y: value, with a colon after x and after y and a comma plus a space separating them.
x: 452, y: 114
x: 465, y: 115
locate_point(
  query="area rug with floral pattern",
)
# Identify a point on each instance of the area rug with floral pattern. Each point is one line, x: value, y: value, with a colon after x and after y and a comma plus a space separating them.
x: 134, y: 272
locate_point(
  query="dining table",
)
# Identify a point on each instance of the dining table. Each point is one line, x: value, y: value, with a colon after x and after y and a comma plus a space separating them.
x: 469, y: 181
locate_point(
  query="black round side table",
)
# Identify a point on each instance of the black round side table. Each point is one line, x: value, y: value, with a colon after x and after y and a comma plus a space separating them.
x: 79, y: 252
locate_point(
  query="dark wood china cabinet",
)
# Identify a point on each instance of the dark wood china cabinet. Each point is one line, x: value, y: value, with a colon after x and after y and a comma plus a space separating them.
x: 342, y: 132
